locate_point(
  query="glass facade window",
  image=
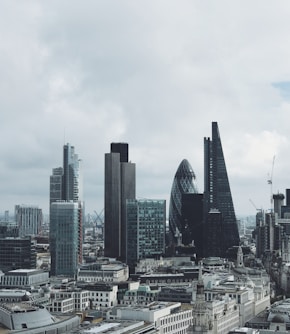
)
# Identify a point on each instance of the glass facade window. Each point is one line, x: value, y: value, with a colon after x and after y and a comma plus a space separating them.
x: 145, y: 229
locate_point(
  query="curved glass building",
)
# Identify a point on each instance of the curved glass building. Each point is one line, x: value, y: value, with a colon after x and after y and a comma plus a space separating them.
x: 183, y: 183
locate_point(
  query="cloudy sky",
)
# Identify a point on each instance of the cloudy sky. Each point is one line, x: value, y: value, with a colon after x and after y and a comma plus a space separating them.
x: 151, y: 73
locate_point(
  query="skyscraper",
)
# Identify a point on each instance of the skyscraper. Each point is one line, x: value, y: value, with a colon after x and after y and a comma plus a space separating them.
x: 72, y: 183
x: 145, y: 229
x: 66, y: 214
x: 55, y: 191
x: 120, y: 185
x: 66, y: 181
x: 183, y: 183
x: 217, y: 193
x: 65, y: 248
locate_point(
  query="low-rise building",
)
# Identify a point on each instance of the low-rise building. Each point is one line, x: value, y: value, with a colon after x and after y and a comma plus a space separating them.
x: 142, y: 296
x: 17, y: 316
x: 69, y: 300
x: 101, y: 295
x: 24, y: 278
x: 104, y: 270
x: 170, y: 318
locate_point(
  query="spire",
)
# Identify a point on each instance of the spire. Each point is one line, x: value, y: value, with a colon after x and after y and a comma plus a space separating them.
x: 240, y: 257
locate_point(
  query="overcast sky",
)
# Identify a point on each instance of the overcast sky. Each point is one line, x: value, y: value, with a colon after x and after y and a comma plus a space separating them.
x: 151, y: 73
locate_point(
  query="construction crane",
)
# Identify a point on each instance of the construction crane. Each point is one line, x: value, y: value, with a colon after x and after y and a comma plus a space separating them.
x: 255, y: 206
x: 270, y: 182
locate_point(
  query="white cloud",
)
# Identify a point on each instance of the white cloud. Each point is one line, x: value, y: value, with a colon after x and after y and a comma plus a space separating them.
x: 153, y: 74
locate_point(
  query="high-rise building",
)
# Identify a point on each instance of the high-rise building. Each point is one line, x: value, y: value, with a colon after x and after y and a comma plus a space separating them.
x: 192, y: 221
x: 65, y: 247
x: 183, y: 183
x: 66, y: 181
x: 120, y: 185
x: 28, y: 219
x: 72, y: 177
x: 145, y: 229
x: 66, y: 207
x: 55, y: 191
x: 217, y: 193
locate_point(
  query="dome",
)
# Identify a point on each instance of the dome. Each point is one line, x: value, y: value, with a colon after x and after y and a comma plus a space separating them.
x: 183, y: 182
x: 278, y: 318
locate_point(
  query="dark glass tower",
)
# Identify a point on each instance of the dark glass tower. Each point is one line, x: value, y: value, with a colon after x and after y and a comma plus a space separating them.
x: 217, y: 193
x: 120, y: 185
x: 192, y: 222
x: 183, y: 183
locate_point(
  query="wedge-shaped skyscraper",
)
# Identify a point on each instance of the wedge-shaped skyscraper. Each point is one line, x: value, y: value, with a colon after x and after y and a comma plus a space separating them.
x: 218, y: 197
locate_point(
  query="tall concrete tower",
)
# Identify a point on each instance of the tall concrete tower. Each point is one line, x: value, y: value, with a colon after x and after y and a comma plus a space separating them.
x: 120, y: 185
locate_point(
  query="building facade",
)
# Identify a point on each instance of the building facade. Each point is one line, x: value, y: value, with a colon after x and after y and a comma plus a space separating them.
x: 55, y: 183
x: 103, y: 272
x: 29, y: 219
x: 17, y: 253
x: 65, y: 224
x: 66, y: 214
x: 146, y: 221
x: 120, y: 185
x: 24, y: 278
x: 217, y: 192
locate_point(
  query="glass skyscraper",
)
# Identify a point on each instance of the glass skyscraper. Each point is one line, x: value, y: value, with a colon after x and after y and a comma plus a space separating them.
x: 120, y: 185
x: 66, y: 214
x: 183, y: 183
x: 217, y: 193
x: 65, y: 218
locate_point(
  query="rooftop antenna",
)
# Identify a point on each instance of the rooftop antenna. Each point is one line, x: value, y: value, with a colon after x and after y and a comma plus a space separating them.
x: 270, y: 182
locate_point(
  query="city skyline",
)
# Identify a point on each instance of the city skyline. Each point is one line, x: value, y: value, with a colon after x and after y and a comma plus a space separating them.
x: 154, y: 76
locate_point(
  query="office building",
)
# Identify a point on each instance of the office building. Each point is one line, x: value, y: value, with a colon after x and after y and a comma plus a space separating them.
x: 24, y: 278
x: 145, y: 229
x: 28, y: 219
x: 217, y: 193
x: 66, y: 214
x: 55, y: 192
x: 17, y: 253
x: 72, y: 177
x: 183, y: 183
x: 120, y: 185
x: 103, y: 270
x: 192, y: 221
x: 66, y: 181
x: 9, y: 229
x: 65, y: 244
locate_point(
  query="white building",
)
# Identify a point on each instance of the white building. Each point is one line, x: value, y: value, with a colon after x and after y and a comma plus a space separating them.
x: 69, y: 300
x: 17, y: 316
x: 24, y: 278
x: 29, y: 219
x: 170, y: 318
x: 103, y: 271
